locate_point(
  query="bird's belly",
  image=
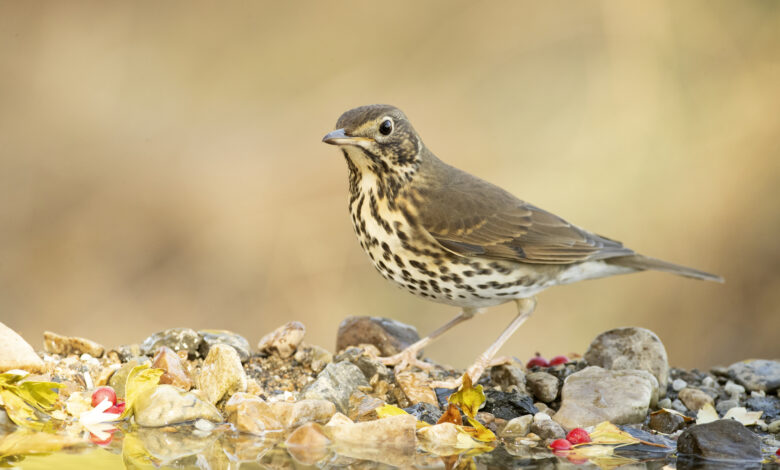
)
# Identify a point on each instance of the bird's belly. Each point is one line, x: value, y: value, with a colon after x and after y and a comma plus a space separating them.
x: 423, y: 268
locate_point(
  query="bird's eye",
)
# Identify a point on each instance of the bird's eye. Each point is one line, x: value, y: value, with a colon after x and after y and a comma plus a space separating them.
x: 386, y: 127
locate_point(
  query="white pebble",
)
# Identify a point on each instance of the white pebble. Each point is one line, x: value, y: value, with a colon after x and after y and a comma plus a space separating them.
x: 204, y: 425
x: 733, y: 389
x: 539, y: 417
x: 679, y: 384
x: 665, y: 403
x: 758, y: 393
x: 708, y: 382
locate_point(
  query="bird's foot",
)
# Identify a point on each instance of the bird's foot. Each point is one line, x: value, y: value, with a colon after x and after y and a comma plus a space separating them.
x: 405, y: 359
x: 475, y: 372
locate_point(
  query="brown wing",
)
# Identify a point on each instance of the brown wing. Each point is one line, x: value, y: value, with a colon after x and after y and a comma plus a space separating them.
x: 472, y: 217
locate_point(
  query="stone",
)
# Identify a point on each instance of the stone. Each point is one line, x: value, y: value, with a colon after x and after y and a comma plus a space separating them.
x: 769, y: 405
x: 734, y: 390
x: 678, y: 405
x: 64, y: 345
x: 509, y: 377
x: 165, y: 446
x: 251, y: 414
x: 665, y: 403
x: 593, y: 395
x: 174, y: 372
x: 543, y: 386
x: 425, y: 412
x: 724, y: 439
x: 222, y: 373
x: 294, y: 414
x: 212, y: 337
x: 165, y: 405
x: 679, y: 384
x: 336, y: 383
x: 126, y: 352
x: 368, y: 364
x: 16, y: 353
x: 517, y: 427
x: 631, y: 348
x: 507, y: 406
x: 757, y: 374
x: 724, y: 406
x: 389, y: 336
x: 308, y: 444
x: 390, y: 440
x: 548, y: 430
x: 283, y: 340
x: 694, y: 399
x: 774, y: 427
x: 666, y: 421
x: 315, y: 356
x: 178, y: 339
x: 416, y: 387
x: 442, y: 439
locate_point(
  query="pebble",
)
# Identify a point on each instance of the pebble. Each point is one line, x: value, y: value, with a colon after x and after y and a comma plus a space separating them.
x: 251, y: 414
x: 517, y: 427
x: 630, y: 348
x: 547, y: 429
x: 679, y: 384
x: 733, y: 389
x: 174, y: 372
x: 678, y: 405
x: 543, y: 386
x: 724, y: 406
x: 507, y: 405
x: 593, y: 395
x: 666, y: 422
x: 665, y: 403
x: 119, y: 378
x: 368, y: 364
x: 283, y: 340
x: 757, y: 374
x: 166, y: 404
x: 425, y: 412
x: 178, y: 339
x: 65, y: 345
x: 416, y: 387
x: 509, y: 377
x: 694, y: 399
x: 316, y: 356
x: 294, y: 414
x: 709, y: 382
x: 221, y: 374
x: 769, y: 405
x: 16, y: 353
x: 389, y: 336
x: 336, y: 383
x: 444, y: 439
x: 723, y: 439
x: 774, y: 427
x: 308, y: 444
x: 212, y: 337
x: 389, y: 440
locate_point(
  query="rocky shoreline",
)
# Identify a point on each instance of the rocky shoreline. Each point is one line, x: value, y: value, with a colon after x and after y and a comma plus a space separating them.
x: 180, y: 392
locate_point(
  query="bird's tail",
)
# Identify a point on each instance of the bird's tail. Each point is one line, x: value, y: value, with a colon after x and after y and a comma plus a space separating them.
x: 642, y: 263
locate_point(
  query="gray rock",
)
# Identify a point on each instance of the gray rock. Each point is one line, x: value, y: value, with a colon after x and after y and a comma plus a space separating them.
x: 769, y: 405
x: 178, y: 339
x: 630, y: 348
x: 757, y: 374
x: 509, y: 377
x: 733, y: 389
x: 425, y: 412
x: 166, y: 404
x: 678, y: 405
x: 593, y: 395
x: 222, y: 373
x: 679, y: 384
x: 212, y: 337
x: 370, y: 366
x: 336, y: 383
x: 666, y: 422
x: 774, y: 427
x: 724, y: 439
x: 547, y: 429
x: 665, y: 403
x: 543, y: 386
x: 389, y: 336
x: 724, y: 405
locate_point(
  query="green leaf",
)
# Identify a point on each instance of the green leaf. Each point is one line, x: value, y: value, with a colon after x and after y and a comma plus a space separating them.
x: 140, y: 380
x: 21, y: 400
x: 24, y: 441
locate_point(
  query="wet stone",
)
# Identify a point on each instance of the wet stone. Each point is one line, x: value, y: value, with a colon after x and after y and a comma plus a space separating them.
x: 543, y: 386
x: 174, y: 372
x: 308, y: 444
x: 222, y: 373
x: 126, y: 352
x: 758, y: 374
x: 370, y: 366
x: 630, y: 348
x: 665, y: 421
x: 425, y: 412
x: 768, y: 404
x: 389, y: 336
x: 724, y: 439
x: 508, y: 405
x: 251, y: 414
x: 283, y: 340
x: 16, y: 353
x: 292, y: 415
x: 517, y: 427
x: 336, y: 383
x: 416, y: 387
x: 389, y: 440
x: 212, y: 337
x: 547, y: 429
x: 178, y: 339
x: 64, y: 345
x: 694, y: 399
x: 166, y: 404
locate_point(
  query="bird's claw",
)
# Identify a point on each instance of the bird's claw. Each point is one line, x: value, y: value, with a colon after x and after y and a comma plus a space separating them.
x: 405, y: 360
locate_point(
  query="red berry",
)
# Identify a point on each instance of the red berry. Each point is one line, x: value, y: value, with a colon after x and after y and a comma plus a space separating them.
x: 559, y: 360
x: 103, y: 393
x: 777, y: 452
x: 578, y: 436
x: 577, y: 460
x: 119, y: 408
x: 560, y: 444
x: 537, y: 361
x: 102, y: 442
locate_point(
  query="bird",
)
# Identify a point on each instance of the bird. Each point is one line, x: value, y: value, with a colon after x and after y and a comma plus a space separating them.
x: 447, y: 236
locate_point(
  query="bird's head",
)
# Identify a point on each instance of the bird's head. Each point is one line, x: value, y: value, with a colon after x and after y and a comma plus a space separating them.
x: 378, y: 139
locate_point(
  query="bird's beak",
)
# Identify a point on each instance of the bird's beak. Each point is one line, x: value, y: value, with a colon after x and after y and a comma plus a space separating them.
x: 339, y: 137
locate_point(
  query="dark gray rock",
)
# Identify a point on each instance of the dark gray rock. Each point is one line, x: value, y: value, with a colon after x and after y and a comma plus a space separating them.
x: 336, y: 383
x: 724, y: 439
x: 757, y: 374
x: 389, y: 336
x: 178, y: 339
x: 666, y: 422
x: 370, y: 366
x: 508, y: 405
x: 425, y: 412
x: 630, y: 348
x: 212, y: 337
x: 769, y: 405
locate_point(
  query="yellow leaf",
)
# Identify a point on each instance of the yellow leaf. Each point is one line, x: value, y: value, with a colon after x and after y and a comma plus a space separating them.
x: 139, y: 380
x: 41, y: 395
x: 23, y: 441
x: 135, y: 455
x: 20, y: 412
x: 706, y: 414
x: 386, y: 410
x: 741, y: 414
x: 468, y: 398
x: 21, y: 400
x: 452, y: 415
x: 480, y: 432
x: 609, y: 434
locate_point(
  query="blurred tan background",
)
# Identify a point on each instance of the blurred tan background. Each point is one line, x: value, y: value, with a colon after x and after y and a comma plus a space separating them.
x: 161, y: 163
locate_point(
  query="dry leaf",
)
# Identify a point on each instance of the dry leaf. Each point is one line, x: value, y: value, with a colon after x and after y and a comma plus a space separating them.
x: 386, y: 410
x: 452, y: 415
x: 741, y: 414
x: 607, y: 433
x: 707, y: 414
x: 478, y: 431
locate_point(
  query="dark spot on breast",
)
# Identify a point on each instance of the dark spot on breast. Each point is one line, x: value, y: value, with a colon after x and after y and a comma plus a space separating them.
x: 398, y: 261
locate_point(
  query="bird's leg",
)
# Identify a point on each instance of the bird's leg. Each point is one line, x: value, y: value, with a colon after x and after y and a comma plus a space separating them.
x: 525, y: 307
x: 408, y: 357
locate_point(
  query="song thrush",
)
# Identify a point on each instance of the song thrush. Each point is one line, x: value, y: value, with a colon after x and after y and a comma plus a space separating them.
x: 448, y: 236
